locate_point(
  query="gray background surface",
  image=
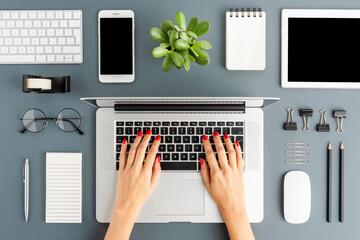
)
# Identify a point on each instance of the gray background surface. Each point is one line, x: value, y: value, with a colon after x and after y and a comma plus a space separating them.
x: 212, y: 80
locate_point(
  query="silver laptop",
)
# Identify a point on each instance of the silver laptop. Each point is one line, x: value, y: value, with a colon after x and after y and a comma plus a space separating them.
x: 180, y: 195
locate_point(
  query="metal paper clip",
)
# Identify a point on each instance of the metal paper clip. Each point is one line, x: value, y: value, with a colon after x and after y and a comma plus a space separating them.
x: 290, y: 124
x: 323, y: 126
x: 340, y: 115
x: 297, y: 145
x: 297, y: 153
x: 306, y: 114
x: 297, y: 161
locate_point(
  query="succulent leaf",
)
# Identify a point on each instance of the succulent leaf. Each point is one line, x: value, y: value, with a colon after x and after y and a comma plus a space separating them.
x: 172, y: 37
x: 202, y: 44
x: 202, y: 54
x: 167, y: 63
x: 158, y: 35
x: 167, y: 25
x: 183, y: 35
x: 202, y: 28
x: 193, y: 22
x: 187, y: 64
x: 203, y: 62
x: 181, y: 20
x: 164, y: 45
x: 177, y: 59
x: 181, y: 44
x: 191, y: 34
x: 159, y: 52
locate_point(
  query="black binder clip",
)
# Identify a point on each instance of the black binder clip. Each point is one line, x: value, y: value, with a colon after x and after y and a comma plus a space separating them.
x: 306, y: 114
x: 290, y: 125
x: 340, y: 115
x: 323, y: 126
x: 39, y: 84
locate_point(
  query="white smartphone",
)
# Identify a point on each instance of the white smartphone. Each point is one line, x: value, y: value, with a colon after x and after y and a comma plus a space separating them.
x: 116, y: 46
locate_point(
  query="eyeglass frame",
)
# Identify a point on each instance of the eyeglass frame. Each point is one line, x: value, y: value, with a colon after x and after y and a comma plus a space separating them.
x: 77, y: 129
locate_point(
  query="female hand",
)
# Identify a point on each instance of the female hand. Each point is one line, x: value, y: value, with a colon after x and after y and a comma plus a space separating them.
x: 136, y: 182
x: 225, y: 183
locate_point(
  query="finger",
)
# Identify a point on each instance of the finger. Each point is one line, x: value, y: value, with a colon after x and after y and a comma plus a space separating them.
x: 140, y: 153
x: 220, y: 151
x: 231, y: 151
x: 122, y: 157
x: 156, y: 170
x: 210, y: 155
x: 205, y: 174
x: 150, y: 158
x: 239, y: 156
x: 133, y: 149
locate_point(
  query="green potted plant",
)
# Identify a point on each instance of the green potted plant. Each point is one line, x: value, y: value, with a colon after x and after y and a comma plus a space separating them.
x: 179, y: 45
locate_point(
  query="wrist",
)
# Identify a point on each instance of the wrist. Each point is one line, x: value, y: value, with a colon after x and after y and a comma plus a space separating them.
x: 233, y: 213
x: 130, y: 213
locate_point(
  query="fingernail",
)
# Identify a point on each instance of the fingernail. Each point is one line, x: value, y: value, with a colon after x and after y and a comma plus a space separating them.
x: 158, y: 159
x: 216, y: 133
x: 204, y: 138
x: 201, y: 161
x: 237, y: 143
x: 158, y: 138
x: 148, y: 132
x: 139, y: 134
x: 226, y: 136
x: 124, y: 141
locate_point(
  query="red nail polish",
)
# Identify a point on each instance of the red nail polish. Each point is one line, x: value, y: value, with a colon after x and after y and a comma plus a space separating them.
x: 158, y: 138
x: 124, y: 141
x: 139, y: 134
x: 226, y: 136
x: 148, y: 132
x: 216, y: 133
x: 201, y: 161
x: 237, y: 143
x: 204, y: 138
x: 158, y: 159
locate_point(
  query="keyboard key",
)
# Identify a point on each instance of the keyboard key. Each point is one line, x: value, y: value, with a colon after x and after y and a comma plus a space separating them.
x: 179, y: 148
x: 175, y: 123
x: 164, y: 130
x: 119, y: 130
x: 208, y: 130
x: 166, y: 156
x: 145, y: 129
x: 184, y: 156
x: 119, y: 123
x: 168, y: 139
x: 147, y: 123
x: 129, y: 124
x: 137, y: 130
x: 170, y: 148
x: 156, y: 124
x: 184, y: 123
x: 152, y: 139
x: 231, y: 139
x: 240, y: 140
x: 191, y: 131
x: 202, y: 123
x: 173, y: 131
x: 72, y: 50
x: 128, y: 131
x: 226, y: 130
x: 211, y: 123
x: 132, y: 139
x: 188, y: 148
x: 229, y: 123
x: 193, y: 124
x: 193, y: 156
x: 181, y: 131
x: 117, y: 165
x: 202, y: 155
x: 197, y: 148
x: 118, y: 148
x: 236, y: 131
x: 155, y: 130
x: 162, y: 148
x: 166, y: 123
x: 200, y: 130
x: 179, y: 166
x: 119, y: 139
x: 186, y: 139
x: 217, y: 129
x: 174, y: 157
x: 239, y: 123
x: 138, y: 123
x: 195, y: 139
x: 221, y: 124
x: 177, y: 139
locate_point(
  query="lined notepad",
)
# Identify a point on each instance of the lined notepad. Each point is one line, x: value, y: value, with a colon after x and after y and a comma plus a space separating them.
x: 63, y: 187
x: 245, y: 39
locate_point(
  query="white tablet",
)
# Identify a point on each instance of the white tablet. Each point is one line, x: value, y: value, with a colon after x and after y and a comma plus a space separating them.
x: 320, y: 48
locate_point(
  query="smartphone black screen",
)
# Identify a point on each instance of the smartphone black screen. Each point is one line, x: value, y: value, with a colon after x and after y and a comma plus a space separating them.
x: 116, y: 46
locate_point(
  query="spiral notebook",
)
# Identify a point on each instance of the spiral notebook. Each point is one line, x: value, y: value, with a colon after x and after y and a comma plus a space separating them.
x: 245, y: 39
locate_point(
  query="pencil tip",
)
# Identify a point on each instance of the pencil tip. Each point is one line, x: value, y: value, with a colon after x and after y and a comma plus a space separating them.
x: 341, y: 146
x: 329, y: 146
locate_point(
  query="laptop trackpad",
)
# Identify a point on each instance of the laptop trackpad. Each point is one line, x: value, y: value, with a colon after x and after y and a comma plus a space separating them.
x: 180, y: 197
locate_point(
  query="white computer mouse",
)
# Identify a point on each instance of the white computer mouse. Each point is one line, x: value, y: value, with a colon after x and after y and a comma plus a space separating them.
x: 297, y: 197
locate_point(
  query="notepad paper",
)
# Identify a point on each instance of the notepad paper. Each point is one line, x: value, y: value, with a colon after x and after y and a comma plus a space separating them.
x: 63, y: 187
x: 245, y: 40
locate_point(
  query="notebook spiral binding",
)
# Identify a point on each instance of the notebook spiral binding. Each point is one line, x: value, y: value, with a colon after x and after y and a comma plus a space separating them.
x: 246, y: 12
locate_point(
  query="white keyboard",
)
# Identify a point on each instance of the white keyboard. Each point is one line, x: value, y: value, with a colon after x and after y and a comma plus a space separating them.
x: 41, y: 37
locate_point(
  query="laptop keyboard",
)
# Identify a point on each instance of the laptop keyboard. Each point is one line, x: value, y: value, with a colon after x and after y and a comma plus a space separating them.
x: 181, y: 141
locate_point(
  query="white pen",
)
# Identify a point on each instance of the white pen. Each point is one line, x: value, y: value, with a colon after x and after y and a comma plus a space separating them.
x: 26, y: 188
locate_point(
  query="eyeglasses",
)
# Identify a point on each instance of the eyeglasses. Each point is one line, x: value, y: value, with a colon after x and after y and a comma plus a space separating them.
x: 35, y: 120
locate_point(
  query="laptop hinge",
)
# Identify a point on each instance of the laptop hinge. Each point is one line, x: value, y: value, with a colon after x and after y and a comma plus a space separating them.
x: 180, y: 107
